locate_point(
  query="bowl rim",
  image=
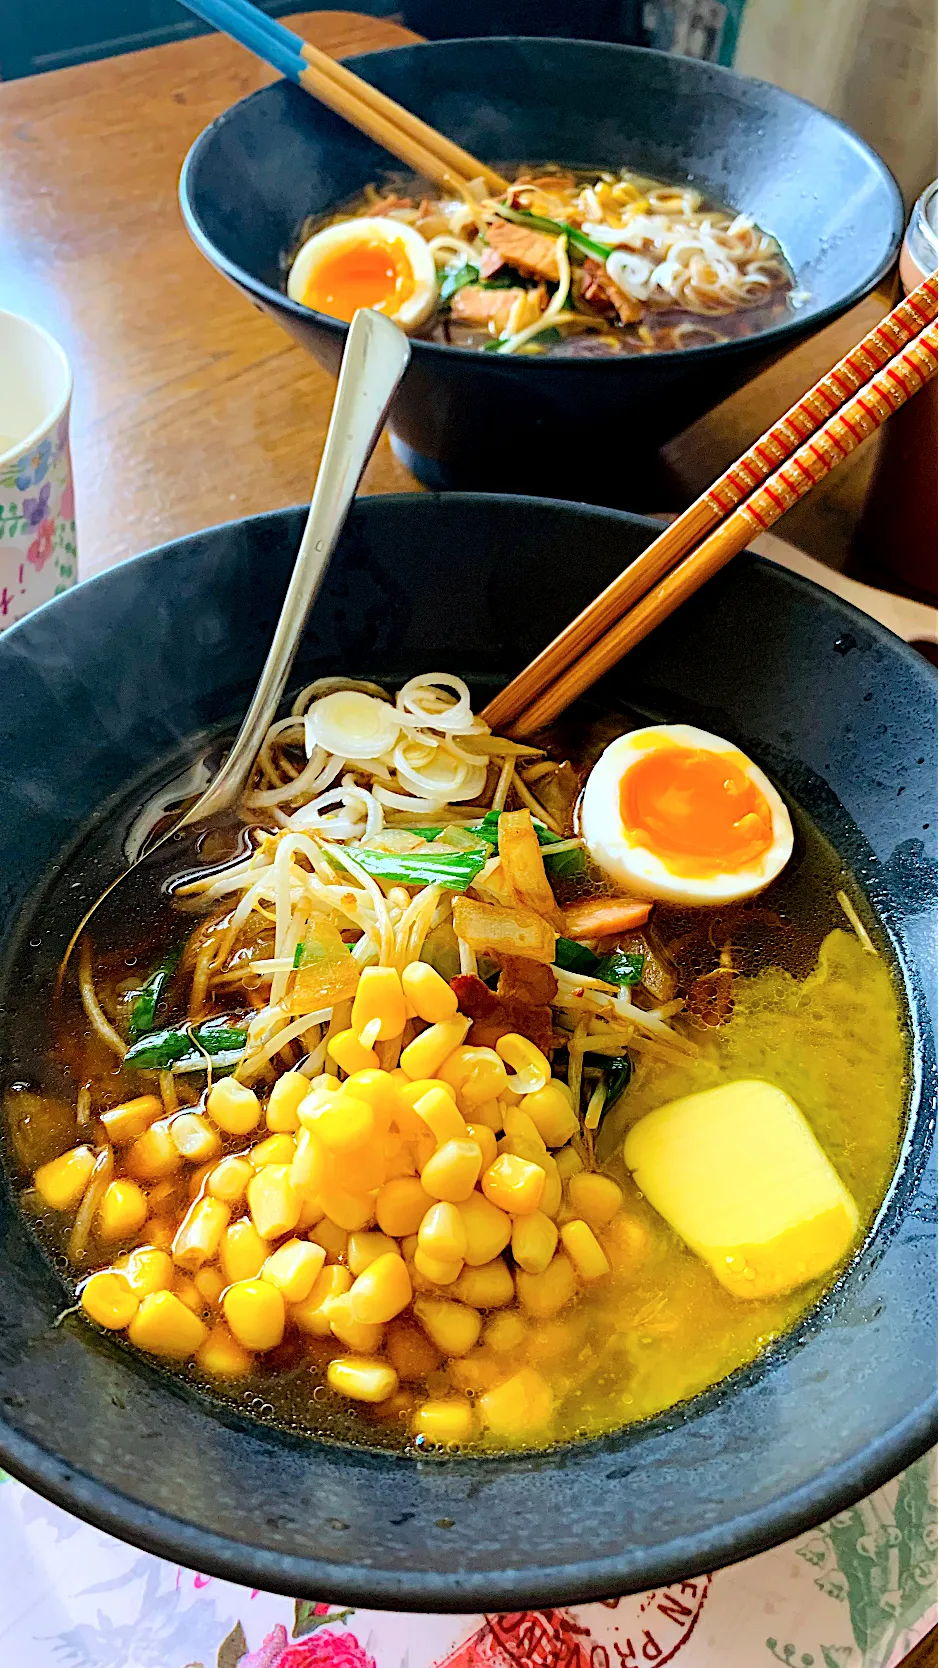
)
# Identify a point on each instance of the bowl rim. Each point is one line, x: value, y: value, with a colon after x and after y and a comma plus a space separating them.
x: 788, y: 330
x: 575, y: 1581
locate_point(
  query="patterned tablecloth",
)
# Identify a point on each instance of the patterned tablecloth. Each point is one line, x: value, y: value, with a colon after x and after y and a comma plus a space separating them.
x: 859, y: 1592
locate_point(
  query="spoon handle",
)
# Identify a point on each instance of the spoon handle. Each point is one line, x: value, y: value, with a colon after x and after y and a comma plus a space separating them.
x: 375, y: 359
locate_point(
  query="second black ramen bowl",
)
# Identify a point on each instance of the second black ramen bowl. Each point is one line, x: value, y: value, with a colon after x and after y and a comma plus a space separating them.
x: 572, y: 428
x: 103, y: 689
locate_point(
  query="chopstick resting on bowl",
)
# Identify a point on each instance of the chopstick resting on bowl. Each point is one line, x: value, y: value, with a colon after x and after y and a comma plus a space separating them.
x: 885, y: 369
x: 411, y: 140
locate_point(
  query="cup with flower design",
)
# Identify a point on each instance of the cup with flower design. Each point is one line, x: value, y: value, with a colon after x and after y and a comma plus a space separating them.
x: 37, y: 501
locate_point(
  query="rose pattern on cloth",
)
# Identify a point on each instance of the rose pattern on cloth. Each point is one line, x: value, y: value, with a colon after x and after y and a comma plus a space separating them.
x: 320, y: 1650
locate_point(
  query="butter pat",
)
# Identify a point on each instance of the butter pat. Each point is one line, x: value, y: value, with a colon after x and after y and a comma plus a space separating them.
x: 739, y: 1175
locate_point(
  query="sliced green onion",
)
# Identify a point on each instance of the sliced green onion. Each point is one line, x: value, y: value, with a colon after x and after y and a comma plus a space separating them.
x: 457, y: 280
x: 575, y: 958
x: 538, y: 223
x: 144, y: 1007
x: 455, y: 870
x: 298, y: 954
x: 621, y: 967
x: 162, y: 1049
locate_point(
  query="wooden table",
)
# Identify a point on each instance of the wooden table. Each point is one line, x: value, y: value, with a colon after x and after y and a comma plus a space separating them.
x: 191, y: 407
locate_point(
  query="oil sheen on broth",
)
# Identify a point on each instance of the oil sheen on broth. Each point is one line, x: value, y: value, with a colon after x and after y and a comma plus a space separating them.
x: 572, y: 263
x: 775, y: 988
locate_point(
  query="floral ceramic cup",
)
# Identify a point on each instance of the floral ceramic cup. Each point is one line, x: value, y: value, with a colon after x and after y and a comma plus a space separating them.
x: 37, y: 503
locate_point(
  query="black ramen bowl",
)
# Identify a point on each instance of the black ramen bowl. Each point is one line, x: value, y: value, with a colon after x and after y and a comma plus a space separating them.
x: 577, y: 428
x: 101, y: 690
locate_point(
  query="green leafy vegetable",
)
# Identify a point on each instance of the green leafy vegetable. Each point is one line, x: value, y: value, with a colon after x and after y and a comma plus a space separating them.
x: 616, y: 1076
x: 621, y: 967
x: 454, y: 869
x: 538, y: 223
x: 162, y: 1049
x: 457, y: 280
x: 144, y: 1006
x: 565, y: 863
x: 575, y: 958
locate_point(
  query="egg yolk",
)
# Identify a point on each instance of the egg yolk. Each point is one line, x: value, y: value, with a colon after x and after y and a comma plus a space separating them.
x: 696, y: 810
x: 360, y: 275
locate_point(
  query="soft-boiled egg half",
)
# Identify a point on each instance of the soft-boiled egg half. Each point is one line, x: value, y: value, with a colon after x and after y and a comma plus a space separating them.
x: 372, y: 262
x: 674, y: 813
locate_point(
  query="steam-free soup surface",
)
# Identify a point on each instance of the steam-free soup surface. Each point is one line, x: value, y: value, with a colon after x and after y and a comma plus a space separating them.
x: 779, y: 989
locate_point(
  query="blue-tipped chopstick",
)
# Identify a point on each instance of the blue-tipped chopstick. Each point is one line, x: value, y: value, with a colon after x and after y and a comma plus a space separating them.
x: 414, y: 142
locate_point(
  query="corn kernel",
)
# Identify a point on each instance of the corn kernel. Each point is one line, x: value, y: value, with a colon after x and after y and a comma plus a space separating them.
x: 518, y: 1126
x: 163, y: 1196
x: 401, y: 1206
x: 294, y: 1268
x: 426, y: 1054
x: 311, y: 1212
x: 283, y: 1106
x: 194, y: 1137
x: 109, y: 1299
x: 594, y: 1198
x: 221, y: 1355
x: 209, y: 1284
x: 452, y: 1171
x: 475, y: 1372
x: 382, y: 1290
x: 447, y: 1421
x: 164, y: 1326
x: 505, y: 1332
x: 229, y: 1179
x: 453, y: 1327
x: 345, y: 1124
x: 488, y: 1229
x: 359, y: 1172
x: 160, y: 1232
x: 321, y: 1089
x: 364, y: 1247
x: 274, y: 1204
x: 436, y: 1271
x: 125, y: 1122
x: 308, y: 1165
x: 332, y: 1238
x: 410, y: 1093
x: 513, y: 1184
x: 519, y: 1408
x: 569, y: 1163
x: 199, y: 1234
x: 378, y: 995
x: 553, y: 1187
x: 532, y: 1068
x: 534, y: 1242
x: 477, y: 1074
x: 438, y: 1111
x: 366, y: 1336
x: 276, y: 1149
x: 148, y: 1269
x: 485, y: 1140
x: 350, y: 1054
x: 360, y: 1379
x: 198, y: 1177
x: 233, y: 1106
x: 427, y: 993
x: 347, y: 1210
x: 154, y: 1155
x: 585, y: 1251
x: 544, y: 1294
x: 442, y: 1234
x: 490, y: 1286
x: 312, y: 1315
x: 378, y: 1089
x: 490, y: 1113
x: 242, y: 1252
x: 551, y: 1110
x: 122, y: 1212
x: 411, y: 1352
x: 188, y: 1292
x: 398, y: 1157
x: 254, y: 1309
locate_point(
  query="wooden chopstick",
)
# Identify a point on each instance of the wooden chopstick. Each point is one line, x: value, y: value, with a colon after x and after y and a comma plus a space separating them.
x: 793, y: 430
x: 399, y: 131
x: 884, y: 393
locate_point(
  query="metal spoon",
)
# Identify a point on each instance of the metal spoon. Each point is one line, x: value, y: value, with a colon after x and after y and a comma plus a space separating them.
x: 374, y: 361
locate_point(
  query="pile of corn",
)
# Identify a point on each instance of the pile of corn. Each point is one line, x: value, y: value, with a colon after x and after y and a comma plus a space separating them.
x: 408, y: 1215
